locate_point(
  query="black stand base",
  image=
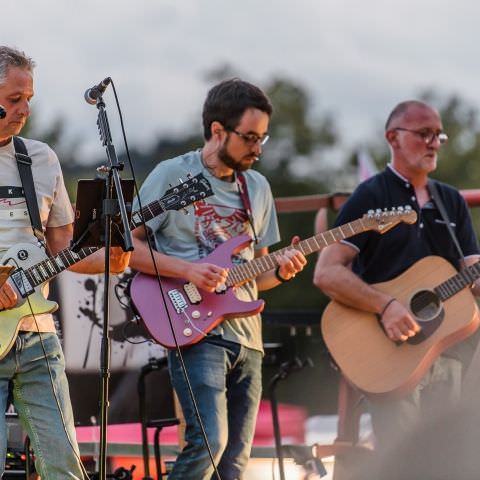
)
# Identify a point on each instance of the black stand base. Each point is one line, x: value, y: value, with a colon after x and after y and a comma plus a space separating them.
x: 119, y: 474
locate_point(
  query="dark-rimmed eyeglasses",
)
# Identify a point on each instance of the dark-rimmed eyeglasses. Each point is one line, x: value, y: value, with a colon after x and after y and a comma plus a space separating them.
x: 250, y: 139
x: 427, y: 135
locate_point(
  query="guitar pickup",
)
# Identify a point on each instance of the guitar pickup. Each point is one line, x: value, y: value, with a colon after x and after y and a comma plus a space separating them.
x: 192, y: 293
x: 22, y: 283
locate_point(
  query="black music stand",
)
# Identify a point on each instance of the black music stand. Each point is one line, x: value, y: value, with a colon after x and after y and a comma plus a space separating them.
x: 102, y: 217
x: 89, y: 227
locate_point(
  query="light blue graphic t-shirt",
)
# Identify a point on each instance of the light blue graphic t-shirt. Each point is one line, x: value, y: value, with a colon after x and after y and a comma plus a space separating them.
x: 211, y: 222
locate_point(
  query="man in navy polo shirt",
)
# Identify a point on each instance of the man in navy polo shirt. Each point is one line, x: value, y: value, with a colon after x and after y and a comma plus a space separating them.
x: 344, y: 271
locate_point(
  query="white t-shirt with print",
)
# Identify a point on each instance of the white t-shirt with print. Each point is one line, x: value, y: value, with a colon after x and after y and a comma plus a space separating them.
x: 53, y: 203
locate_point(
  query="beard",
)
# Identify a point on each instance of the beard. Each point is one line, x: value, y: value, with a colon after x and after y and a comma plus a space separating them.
x: 237, y: 165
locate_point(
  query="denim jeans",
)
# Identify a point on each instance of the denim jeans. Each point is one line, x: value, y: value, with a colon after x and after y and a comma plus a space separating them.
x: 37, y: 407
x: 226, y: 382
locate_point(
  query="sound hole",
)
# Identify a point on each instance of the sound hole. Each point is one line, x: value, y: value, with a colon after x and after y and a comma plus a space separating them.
x: 425, y: 305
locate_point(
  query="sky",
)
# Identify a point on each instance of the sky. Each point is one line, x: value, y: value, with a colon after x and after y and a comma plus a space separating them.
x: 355, y: 59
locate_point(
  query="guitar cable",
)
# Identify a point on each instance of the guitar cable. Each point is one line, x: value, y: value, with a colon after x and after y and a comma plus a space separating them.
x: 162, y: 293
x: 47, y: 362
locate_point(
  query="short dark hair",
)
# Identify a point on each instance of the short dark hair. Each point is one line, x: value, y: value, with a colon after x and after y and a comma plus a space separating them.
x: 227, y: 102
x: 401, y: 109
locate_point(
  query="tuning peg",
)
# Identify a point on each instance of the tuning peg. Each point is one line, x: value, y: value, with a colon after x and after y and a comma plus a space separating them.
x: 370, y: 212
x: 189, y: 176
x: 185, y: 211
x: 400, y: 209
x: 378, y: 211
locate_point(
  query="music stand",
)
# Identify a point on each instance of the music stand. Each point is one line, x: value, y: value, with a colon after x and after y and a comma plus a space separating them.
x: 102, y: 217
x: 89, y: 226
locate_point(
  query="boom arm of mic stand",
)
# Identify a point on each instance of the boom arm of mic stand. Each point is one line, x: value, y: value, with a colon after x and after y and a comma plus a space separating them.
x: 115, y: 166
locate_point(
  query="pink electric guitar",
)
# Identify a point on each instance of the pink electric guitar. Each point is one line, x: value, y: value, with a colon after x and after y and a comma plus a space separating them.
x: 195, y: 312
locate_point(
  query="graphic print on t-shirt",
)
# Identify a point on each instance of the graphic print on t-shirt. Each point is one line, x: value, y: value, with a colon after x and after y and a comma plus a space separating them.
x: 215, y: 224
x: 12, y: 203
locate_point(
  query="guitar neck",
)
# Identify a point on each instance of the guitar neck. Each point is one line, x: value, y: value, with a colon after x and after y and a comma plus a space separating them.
x: 50, y: 267
x: 253, y: 268
x: 461, y: 280
x: 181, y: 196
x: 146, y: 213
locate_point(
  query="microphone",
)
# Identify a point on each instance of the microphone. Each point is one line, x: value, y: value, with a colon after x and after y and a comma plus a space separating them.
x: 95, y: 92
x: 3, y: 112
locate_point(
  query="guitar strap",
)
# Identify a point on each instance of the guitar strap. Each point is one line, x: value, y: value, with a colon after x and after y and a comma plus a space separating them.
x: 242, y: 188
x: 441, y: 208
x: 24, y: 164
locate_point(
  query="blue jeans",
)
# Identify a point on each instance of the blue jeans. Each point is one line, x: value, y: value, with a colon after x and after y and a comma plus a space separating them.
x: 226, y: 382
x: 56, y: 455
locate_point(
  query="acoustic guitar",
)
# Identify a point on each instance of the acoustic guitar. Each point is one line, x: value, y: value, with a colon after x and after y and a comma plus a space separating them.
x: 440, y: 300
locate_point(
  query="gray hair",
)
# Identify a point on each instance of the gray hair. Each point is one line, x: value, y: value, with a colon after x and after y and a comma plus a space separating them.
x: 403, y: 108
x: 10, y: 57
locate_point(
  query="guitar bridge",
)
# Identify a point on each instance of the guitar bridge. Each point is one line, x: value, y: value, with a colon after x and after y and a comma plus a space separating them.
x: 178, y: 300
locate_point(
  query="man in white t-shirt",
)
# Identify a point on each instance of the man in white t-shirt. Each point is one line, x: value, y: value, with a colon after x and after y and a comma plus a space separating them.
x: 35, y: 367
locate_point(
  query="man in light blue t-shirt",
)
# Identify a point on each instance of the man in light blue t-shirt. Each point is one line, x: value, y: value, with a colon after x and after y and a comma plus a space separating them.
x: 224, y: 369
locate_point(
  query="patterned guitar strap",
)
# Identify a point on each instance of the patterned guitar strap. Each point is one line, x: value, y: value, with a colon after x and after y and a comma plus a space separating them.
x: 242, y: 188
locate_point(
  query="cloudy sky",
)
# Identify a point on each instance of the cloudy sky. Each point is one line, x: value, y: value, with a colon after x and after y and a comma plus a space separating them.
x: 356, y: 59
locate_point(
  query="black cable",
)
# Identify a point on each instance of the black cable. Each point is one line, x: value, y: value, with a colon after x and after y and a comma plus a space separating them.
x: 157, y: 275
x: 119, y: 290
x: 47, y: 362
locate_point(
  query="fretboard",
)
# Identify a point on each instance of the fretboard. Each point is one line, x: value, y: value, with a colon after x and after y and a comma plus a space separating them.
x: 52, y: 266
x: 462, y: 279
x: 147, y: 213
x: 253, y: 268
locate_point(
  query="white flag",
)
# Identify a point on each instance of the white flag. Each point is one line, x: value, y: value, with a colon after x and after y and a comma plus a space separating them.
x: 366, y: 166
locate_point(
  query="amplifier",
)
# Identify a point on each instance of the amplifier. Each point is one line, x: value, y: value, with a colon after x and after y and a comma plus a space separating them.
x: 16, y: 456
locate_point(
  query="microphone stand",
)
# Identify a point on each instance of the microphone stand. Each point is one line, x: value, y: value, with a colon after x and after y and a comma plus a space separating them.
x: 111, y: 207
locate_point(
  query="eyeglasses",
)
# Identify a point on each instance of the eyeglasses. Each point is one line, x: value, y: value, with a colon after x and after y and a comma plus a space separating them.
x: 427, y: 135
x: 250, y: 138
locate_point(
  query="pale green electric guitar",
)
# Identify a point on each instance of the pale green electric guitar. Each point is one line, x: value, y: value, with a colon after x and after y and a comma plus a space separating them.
x: 33, y: 268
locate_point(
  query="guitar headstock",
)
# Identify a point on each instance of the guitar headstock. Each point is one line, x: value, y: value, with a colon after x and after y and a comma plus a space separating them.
x: 383, y: 220
x: 187, y: 192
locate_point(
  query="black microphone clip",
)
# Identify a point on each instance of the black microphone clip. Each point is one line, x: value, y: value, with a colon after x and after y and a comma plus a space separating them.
x: 94, y: 93
x: 3, y: 112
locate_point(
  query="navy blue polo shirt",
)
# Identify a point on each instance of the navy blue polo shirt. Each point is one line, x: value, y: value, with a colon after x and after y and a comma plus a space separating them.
x: 383, y: 257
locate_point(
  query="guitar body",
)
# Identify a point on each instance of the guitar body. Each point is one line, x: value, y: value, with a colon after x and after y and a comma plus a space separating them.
x: 194, y: 320
x: 375, y: 364
x: 22, y: 256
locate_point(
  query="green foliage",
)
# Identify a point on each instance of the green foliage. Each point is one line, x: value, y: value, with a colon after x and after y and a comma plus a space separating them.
x: 291, y: 117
